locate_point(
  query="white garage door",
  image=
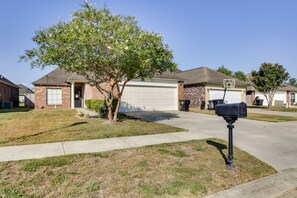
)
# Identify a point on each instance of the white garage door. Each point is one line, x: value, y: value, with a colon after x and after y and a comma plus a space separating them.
x: 231, y: 96
x: 149, y: 98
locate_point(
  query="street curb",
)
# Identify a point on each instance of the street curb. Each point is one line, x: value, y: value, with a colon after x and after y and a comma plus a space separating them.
x: 279, y: 185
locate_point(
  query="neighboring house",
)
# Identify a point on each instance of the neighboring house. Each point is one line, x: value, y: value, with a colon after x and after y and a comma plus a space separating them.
x: 285, y: 95
x: 204, y: 84
x: 26, y: 96
x: 61, y: 89
x: 9, y: 92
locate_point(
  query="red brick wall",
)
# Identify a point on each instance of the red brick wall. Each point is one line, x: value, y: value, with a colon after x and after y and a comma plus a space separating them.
x: 181, y: 91
x: 40, y: 97
x: 9, y: 94
x: 289, y: 97
x: 196, y: 94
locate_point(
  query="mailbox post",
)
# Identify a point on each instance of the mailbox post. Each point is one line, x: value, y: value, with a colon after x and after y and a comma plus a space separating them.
x: 230, y: 113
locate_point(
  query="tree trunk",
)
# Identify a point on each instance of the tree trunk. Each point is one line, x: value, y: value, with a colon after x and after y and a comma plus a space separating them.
x: 115, y: 116
x: 110, y: 118
x: 120, y: 93
x: 269, y: 97
x: 270, y: 105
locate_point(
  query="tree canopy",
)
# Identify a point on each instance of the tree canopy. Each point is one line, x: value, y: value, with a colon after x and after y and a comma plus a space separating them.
x: 240, y: 76
x: 224, y: 70
x: 103, y: 47
x: 293, y: 82
x: 268, y: 79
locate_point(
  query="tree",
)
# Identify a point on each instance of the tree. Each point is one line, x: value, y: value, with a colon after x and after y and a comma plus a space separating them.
x: 240, y: 75
x: 293, y: 82
x: 103, y: 47
x: 268, y: 79
x: 224, y: 70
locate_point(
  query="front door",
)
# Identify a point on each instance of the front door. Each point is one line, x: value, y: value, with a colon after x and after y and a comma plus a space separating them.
x: 78, y: 96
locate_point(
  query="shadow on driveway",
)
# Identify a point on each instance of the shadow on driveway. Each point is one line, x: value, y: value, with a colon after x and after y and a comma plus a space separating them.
x: 153, y: 116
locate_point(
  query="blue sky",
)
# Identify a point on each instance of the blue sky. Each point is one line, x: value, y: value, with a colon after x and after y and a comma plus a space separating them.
x: 237, y: 34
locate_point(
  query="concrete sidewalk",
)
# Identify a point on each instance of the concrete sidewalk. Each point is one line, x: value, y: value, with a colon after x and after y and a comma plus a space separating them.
x: 22, y: 152
x: 280, y: 185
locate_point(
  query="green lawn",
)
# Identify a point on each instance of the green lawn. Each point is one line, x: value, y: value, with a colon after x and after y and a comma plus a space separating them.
x: 253, y: 116
x: 188, y: 169
x: 25, y: 126
x: 275, y: 108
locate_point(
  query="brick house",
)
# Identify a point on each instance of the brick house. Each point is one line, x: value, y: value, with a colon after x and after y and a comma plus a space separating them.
x: 204, y: 84
x: 285, y: 95
x: 9, y: 92
x: 61, y: 89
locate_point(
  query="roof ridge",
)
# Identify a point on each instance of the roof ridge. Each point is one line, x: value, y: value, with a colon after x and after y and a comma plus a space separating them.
x: 46, y: 75
x: 6, y: 81
x: 194, y: 69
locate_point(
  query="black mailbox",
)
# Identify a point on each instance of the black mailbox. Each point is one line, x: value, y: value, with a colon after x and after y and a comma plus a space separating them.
x: 231, y: 112
x: 235, y: 110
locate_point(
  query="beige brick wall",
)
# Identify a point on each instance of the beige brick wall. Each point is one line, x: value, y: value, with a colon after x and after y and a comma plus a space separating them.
x: 40, y: 97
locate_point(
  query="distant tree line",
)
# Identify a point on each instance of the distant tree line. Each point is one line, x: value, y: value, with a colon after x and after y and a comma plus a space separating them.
x: 266, y: 80
x: 239, y: 74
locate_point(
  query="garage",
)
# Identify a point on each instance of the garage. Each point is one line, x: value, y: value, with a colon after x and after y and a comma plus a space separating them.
x: 232, y: 96
x: 154, y: 95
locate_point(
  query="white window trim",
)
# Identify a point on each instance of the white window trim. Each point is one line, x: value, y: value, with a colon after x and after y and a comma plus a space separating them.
x: 294, y: 98
x: 55, y: 99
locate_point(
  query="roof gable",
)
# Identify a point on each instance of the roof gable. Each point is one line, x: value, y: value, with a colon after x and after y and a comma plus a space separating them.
x: 24, y: 90
x: 208, y: 76
x: 59, y: 77
x: 7, y: 82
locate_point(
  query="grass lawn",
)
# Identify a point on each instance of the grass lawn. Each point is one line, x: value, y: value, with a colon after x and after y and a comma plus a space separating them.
x: 187, y: 169
x: 21, y: 126
x: 254, y: 116
x: 275, y: 108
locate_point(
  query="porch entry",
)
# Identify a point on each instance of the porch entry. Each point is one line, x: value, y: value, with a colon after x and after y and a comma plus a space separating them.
x: 78, y: 96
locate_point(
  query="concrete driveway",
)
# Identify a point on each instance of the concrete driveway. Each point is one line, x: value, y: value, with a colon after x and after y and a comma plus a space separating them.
x: 273, y: 143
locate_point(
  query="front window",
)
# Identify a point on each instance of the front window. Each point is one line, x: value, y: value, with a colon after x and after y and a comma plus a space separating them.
x: 293, y: 98
x: 54, y: 96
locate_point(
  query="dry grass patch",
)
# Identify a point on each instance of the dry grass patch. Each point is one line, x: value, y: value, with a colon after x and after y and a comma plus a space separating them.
x: 188, y: 169
x: 253, y: 116
x: 19, y: 126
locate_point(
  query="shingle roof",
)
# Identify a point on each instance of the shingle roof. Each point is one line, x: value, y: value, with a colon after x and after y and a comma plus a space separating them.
x: 284, y: 87
x: 7, y: 82
x: 208, y: 76
x: 61, y: 77
x: 24, y: 90
x: 287, y: 88
x: 168, y: 75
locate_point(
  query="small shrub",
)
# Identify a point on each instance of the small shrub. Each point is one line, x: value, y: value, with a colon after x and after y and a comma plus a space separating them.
x: 88, y: 103
x: 98, y: 105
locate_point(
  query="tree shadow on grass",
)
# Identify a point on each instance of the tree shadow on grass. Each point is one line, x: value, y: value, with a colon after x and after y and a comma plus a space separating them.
x: 220, y: 148
x: 40, y: 133
x: 153, y: 116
